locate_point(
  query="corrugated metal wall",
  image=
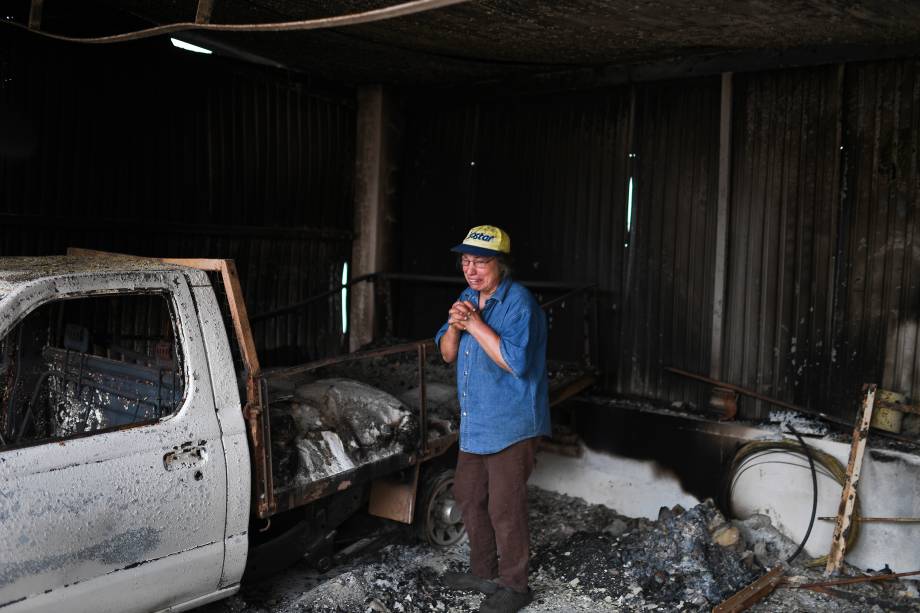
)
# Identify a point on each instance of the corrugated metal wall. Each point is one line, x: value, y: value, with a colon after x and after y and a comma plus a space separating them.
x: 823, y: 289
x: 783, y: 233
x: 822, y: 267
x: 551, y: 170
x: 554, y: 171
x: 878, y: 302
x: 158, y: 152
x: 146, y: 149
x: 667, y: 303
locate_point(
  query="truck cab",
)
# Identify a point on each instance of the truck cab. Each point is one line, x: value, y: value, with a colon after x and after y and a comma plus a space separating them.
x: 124, y: 463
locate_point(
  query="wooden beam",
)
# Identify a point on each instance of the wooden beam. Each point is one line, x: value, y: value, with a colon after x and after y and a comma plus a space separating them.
x: 238, y: 312
x: 376, y: 133
x: 722, y: 214
x: 205, y: 8
x: 848, y: 495
x: 35, y: 15
x: 748, y: 596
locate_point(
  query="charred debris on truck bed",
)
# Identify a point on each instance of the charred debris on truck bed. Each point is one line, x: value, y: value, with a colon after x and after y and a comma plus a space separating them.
x: 345, y: 414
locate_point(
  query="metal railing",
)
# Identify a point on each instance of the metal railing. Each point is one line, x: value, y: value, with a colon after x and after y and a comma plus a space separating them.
x: 385, y: 279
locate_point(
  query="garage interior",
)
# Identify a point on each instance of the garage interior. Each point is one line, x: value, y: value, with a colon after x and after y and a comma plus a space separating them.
x: 727, y: 189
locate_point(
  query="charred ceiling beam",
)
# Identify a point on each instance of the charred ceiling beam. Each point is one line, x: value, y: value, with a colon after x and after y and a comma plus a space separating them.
x: 682, y: 67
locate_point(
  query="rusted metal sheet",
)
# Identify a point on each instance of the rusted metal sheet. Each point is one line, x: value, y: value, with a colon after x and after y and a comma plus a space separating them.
x: 394, y: 498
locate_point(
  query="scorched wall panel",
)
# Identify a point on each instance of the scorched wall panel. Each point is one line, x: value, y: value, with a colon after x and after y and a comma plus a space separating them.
x: 783, y: 234
x: 877, y: 295
x: 145, y: 149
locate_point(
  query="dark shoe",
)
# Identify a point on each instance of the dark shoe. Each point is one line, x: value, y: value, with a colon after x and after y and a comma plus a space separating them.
x: 468, y: 582
x: 506, y: 601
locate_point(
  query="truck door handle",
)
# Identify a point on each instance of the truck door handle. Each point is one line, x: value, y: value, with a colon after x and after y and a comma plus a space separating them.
x: 186, y: 455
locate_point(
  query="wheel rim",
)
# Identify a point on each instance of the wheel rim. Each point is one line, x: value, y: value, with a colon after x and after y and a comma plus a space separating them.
x: 444, y: 525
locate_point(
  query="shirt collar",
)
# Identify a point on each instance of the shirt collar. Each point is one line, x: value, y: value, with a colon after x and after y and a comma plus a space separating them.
x: 502, y: 291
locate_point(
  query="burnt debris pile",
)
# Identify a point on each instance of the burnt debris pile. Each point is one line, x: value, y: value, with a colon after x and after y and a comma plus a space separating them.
x: 675, y: 562
x: 586, y: 559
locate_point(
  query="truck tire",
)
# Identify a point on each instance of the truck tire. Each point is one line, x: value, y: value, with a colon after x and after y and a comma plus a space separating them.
x: 438, y: 521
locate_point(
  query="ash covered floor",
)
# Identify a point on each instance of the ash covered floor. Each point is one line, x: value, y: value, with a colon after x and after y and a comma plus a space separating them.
x: 585, y: 558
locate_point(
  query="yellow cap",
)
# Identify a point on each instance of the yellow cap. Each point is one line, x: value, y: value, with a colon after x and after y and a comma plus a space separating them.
x: 485, y: 240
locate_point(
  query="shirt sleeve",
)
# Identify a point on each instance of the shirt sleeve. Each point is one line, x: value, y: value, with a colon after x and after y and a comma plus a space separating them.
x: 441, y: 332
x: 443, y: 329
x: 517, y: 339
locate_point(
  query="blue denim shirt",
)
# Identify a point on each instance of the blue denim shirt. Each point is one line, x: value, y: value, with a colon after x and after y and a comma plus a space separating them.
x: 499, y: 408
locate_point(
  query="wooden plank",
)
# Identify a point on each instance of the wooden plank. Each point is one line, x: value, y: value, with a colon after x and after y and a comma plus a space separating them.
x: 560, y: 395
x: 209, y: 265
x: 753, y: 593
x: 240, y: 317
x: 238, y: 312
x: 848, y: 495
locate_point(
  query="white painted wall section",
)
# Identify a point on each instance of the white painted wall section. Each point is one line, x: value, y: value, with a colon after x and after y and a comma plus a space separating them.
x: 635, y: 488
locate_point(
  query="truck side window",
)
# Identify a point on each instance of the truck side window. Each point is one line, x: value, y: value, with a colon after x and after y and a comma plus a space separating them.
x: 85, y: 365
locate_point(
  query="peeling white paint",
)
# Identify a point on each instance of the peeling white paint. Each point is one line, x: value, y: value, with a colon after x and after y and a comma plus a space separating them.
x: 97, y: 522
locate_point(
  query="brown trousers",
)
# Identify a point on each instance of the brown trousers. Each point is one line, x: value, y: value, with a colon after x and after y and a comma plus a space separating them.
x: 491, y: 490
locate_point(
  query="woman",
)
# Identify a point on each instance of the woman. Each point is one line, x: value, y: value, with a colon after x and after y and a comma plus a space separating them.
x: 496, y: 332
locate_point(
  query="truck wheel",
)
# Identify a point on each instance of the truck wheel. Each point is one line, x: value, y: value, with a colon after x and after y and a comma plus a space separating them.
x: 438, y: 520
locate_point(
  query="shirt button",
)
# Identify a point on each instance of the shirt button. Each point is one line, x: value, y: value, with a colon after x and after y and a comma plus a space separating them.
x: 464, y: 413
x: 466, y: 373
x: 467, y: 352
x: 464, y: 393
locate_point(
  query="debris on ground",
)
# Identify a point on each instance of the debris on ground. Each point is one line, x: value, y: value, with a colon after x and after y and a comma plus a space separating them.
x: 586, y: 558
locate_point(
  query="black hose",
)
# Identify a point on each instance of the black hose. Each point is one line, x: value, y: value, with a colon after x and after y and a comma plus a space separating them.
x: 814, y: 500
x: 826, y: 461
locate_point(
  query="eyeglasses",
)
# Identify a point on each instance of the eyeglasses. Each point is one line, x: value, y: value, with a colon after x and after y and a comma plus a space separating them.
x: 478, y: 263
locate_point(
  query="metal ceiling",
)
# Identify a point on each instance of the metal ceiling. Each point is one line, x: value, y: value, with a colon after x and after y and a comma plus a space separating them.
x: 486, y: 40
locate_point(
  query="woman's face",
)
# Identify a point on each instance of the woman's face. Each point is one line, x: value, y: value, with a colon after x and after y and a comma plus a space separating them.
x: 482, y: 273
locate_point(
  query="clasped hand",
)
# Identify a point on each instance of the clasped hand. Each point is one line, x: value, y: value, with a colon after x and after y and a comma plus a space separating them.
x: 463, y: 314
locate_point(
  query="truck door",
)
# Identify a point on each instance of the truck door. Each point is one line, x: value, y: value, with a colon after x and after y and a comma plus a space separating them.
x: 112, y: 469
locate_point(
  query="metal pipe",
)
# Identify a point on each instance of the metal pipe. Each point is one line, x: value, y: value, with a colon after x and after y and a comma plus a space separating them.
x: 388, y: 12
x: 567, y: 295
x: 304, y: 303
x: 422, y: 399
x: 781, y: 403
x: 386, y: 276
x: 348, y: 357
x: 879, y: 520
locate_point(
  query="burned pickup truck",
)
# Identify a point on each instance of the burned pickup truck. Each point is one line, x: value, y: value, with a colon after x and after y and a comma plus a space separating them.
x: 144, y: 453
